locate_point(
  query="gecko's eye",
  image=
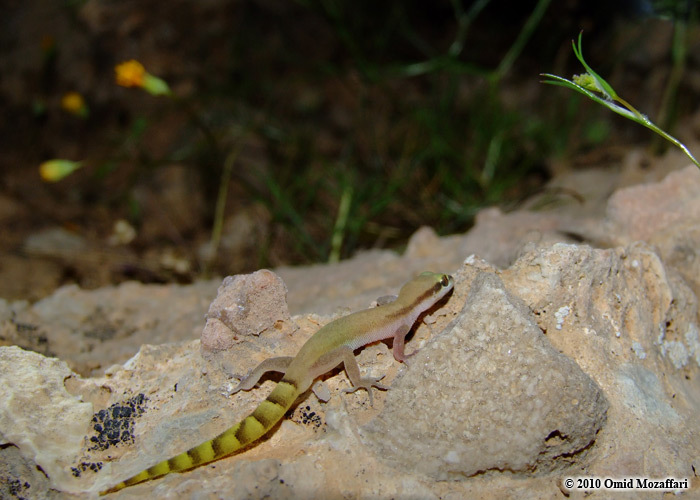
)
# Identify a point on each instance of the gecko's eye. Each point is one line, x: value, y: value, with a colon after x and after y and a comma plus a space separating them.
x: 445, y: 280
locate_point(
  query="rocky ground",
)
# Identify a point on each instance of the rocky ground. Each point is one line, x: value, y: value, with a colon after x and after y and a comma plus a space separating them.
x: 568, y: 349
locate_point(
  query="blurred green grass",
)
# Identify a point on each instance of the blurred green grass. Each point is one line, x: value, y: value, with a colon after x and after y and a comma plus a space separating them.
x: 355, y: 123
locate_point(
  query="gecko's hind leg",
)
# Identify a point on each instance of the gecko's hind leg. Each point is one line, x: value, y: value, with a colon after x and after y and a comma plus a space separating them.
x: 278, y: 364
x: 357, y: 381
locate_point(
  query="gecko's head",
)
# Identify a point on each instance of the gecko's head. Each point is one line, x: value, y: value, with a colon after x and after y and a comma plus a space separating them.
x: 426, y: 289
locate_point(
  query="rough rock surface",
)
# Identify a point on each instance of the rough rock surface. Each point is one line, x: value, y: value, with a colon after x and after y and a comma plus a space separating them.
x: 666, y: 215
x: 488, y: 393
x: 247, y: 307
x: 93, y: 329
x: 613, y: 328
x: 38, y: 415
x: 641, y: 212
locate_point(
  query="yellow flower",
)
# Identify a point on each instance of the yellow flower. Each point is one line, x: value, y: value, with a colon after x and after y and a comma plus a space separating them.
x: 74, y: 103
x: 55, y: 170
x: 133, y: 74
x: 130, y: 73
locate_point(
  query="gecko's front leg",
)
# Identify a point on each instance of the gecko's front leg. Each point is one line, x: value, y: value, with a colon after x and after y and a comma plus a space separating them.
x: 399, y: 340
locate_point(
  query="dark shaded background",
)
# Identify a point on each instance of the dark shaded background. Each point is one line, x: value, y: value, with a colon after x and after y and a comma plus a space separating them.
x: 339, y: 118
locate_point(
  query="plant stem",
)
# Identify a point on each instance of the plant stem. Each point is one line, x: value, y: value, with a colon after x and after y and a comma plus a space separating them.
x: 219, y: 210
x: 522, y: 39
x: 340, y: 223
x: 667, y: 113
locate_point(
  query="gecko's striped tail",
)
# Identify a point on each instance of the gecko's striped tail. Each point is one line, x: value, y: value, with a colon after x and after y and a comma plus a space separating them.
x: 250, y: 429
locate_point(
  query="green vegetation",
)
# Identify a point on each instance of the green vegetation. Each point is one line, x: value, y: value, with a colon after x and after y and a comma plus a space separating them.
x: 393, y: 128
x: 591, y: 84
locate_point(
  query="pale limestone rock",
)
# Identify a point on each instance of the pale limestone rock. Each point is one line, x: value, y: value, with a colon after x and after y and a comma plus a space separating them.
x: 592, y: 304
x: 54, y: 241
x: 490, y: 393
x: 93, y: 329
x: 245, y: 305
x: 37, y: 414
x: 639, y: 212
x: 248, y: 320
x: 19, y: 476
x: 422, y: 243
x: 665, y: 214
x: 501, y: 237
x: 627, y: 317
x: 626, y: 308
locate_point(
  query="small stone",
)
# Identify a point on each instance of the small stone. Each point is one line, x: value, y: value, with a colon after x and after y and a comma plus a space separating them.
x: 245, y: 305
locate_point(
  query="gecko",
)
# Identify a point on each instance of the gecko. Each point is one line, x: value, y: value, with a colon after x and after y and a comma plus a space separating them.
x: 330, y: 346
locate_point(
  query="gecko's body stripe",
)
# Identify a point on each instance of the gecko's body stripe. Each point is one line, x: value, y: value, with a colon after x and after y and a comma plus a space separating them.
x: 277, y: 401
x: 268, y: 413
x: 325, y: 350
x: 202, y: 453
x: 159, y: 469
x: 180, y: 462
x: 225, y: 441
x: 410, y: 307
x: 250, y: 429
